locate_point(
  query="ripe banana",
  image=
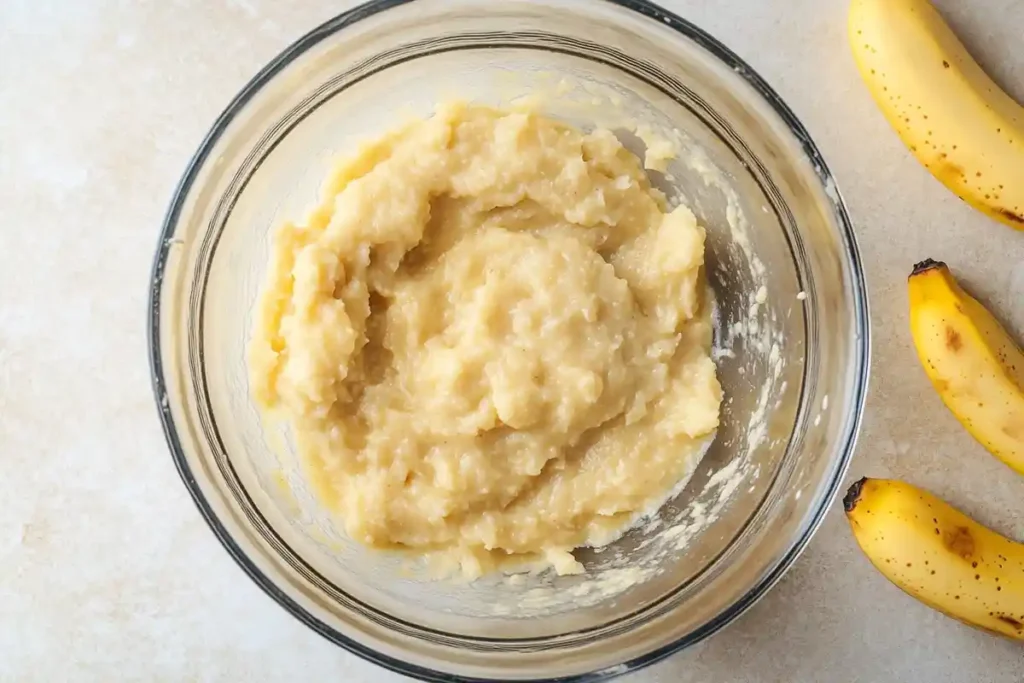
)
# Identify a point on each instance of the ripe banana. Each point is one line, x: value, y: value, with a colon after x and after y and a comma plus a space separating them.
x: 952, y: 116
x: 974, y: 364
x: 939, y: 555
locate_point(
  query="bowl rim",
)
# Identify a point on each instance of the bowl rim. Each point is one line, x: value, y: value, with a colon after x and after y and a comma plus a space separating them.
x: 844, y: 450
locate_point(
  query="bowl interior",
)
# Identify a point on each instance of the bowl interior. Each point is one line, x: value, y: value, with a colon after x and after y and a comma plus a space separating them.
x: 787, y: 308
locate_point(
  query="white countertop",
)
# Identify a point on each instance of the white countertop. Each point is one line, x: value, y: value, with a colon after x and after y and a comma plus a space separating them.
x: 107, y: 572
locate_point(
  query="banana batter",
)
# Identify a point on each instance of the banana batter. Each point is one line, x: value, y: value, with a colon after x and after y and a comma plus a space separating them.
x: 489, y: 340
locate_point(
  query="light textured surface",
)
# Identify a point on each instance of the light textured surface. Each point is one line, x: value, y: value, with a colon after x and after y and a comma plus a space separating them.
x: 107, y: 572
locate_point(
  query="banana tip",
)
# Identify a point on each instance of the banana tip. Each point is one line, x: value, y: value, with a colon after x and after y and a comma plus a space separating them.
x: 927, y: 264
x: 853, y: 494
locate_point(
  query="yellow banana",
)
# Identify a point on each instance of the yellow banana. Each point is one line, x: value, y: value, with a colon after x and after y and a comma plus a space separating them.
x: 952, y: 116
x: 940, y: 556
x: 974, y: 364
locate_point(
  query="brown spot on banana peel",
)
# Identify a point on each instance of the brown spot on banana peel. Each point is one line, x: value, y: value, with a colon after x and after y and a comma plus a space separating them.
x: 948, y: 172
x: 960, y: 541
x: 1010, y: 216
x: 953, y: 341
x: 1010, y: 621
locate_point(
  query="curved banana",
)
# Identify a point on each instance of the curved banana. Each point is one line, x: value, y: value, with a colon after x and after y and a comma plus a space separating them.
x: 952, y: 116
x: 939, y: 555
x: 974, y: 364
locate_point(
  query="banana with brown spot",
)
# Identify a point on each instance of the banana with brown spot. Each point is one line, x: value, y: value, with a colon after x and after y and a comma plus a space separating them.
x: 939, y: 555
x: 973, y: 362
x: 965, y: 130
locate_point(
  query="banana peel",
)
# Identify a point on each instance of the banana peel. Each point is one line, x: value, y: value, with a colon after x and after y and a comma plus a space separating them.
x: 939, y: 555
x: 951, y: 115
x: 972, y: 361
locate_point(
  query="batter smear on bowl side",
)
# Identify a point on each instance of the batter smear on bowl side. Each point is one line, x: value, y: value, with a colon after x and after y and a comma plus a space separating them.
x: 490, y: 340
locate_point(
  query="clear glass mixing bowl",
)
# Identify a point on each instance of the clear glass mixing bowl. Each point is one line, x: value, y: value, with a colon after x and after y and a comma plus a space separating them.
x: 791, y: 343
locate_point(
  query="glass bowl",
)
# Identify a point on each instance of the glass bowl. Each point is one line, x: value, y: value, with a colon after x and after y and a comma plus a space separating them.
x: 791, y: 340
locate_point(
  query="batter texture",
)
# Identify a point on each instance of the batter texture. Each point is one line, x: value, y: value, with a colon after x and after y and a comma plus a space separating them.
x: 489, y: 340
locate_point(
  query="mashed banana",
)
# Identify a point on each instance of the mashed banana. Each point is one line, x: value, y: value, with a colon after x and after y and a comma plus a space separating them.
x: 489, y: 341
